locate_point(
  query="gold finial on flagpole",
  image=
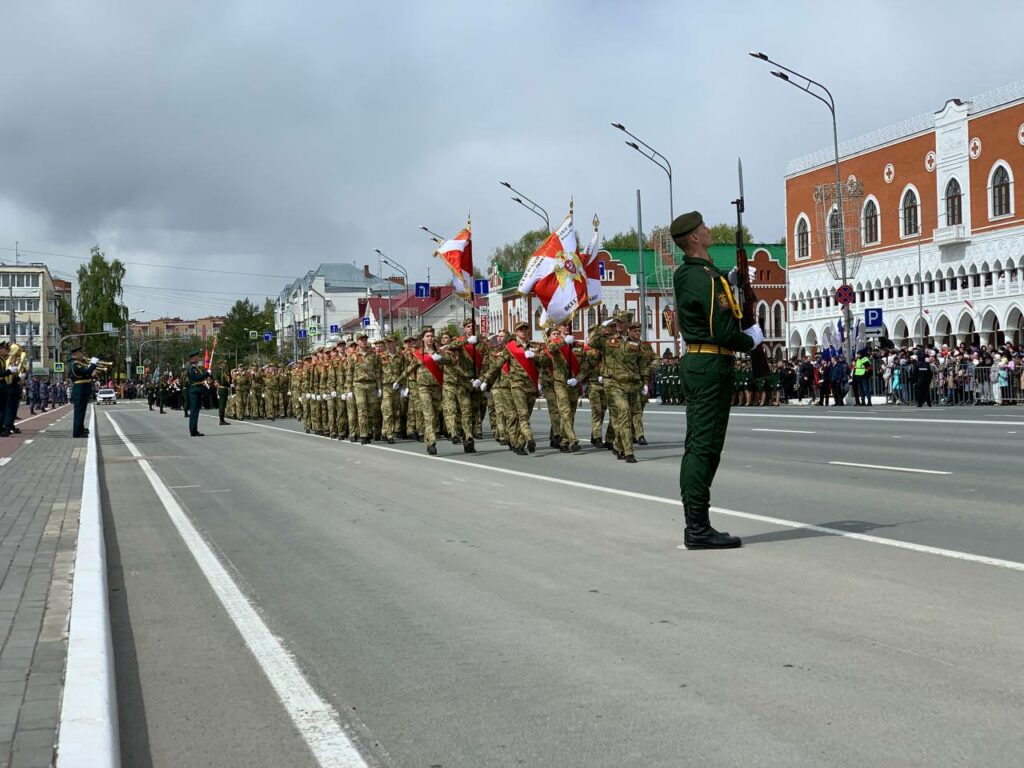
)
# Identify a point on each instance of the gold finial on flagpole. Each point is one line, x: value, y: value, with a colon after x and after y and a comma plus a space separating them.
x: 597, y: 222
x: 570, y: 205
x: 469, y: 220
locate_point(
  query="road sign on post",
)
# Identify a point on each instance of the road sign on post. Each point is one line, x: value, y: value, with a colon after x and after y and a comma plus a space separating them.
x: 366, y: 322
x: 844, y: 294
x: 58, y: 367
x: 335, y: 328
x: 873, y: 317
x: 313, y: 330
x: 481, y: 287
x: 139, y: 370
x: 422, y: 290
x: 267, y: 336
x: 253, y: 335
x: 302, y: 333
x: 600, y: 268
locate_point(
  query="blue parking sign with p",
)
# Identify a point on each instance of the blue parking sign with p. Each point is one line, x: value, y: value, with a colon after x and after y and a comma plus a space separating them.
x: 873, y: 317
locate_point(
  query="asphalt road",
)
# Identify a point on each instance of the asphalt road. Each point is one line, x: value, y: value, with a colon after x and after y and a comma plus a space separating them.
x: 495, y: 610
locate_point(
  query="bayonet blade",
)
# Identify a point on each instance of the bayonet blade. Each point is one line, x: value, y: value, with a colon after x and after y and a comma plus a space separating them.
x: 739, y: 166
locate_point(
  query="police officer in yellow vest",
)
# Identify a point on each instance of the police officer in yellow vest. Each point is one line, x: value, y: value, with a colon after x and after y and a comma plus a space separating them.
x: 709, y: 322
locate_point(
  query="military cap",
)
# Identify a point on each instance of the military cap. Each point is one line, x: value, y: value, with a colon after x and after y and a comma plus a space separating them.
x: 634, y: 325
x: 623, y: 316
x: 521, y: 324
x: 73, y: 349
x: 362, y: 336
x: 378, y: 341
x: 468, y: 322
x: 426, y: 330
x: 330, y: 347
x: 194, y: 353
x: 685, y: 223
x: 409, y: 340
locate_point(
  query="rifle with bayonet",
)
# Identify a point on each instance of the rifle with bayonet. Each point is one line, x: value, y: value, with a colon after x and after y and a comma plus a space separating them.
x: 747, y: 299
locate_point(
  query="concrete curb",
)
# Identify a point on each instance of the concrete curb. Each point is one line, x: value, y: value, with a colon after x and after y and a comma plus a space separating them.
x: 88, y: 733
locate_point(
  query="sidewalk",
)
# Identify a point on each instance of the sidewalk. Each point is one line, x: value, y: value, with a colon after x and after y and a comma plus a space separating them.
x: 41, y: 483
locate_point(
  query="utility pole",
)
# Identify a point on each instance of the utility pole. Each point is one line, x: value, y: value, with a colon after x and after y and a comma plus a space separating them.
x: 641, y: 277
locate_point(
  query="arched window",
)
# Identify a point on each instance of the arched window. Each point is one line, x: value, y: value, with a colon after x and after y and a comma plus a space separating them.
x: 777, y: 320
x: 803, y: 239
x: 954, y: 204
x: 908, y: 210
x: 1001, y: 192
x: 870, y: 222
x: 834, y: 231
x: 762, y: 319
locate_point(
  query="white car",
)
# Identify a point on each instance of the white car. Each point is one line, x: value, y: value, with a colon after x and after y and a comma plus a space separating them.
x: 106, y: 395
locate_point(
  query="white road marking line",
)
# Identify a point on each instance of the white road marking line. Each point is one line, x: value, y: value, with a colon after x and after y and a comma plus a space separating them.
x: 790, y: 431
x: 5, y: 461
x: 28, y: 441
x: 22, y: 421
x: 890, y: 469
x: 222, y: 490
x: 314, y: 718
x: 176, y: 487
x: 740, y: 414
x: 1012, y: 433
x: 952, y: 554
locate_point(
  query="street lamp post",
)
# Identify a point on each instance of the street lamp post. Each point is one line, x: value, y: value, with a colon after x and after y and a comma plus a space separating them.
x: 128, y: 346
x: 828, y: 101
x: 529, y: 205
x: 655, y: 157
x: 394, y: 265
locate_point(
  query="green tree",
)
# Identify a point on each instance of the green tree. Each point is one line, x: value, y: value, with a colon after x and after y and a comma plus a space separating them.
x: 100, y: 293
x: 243, y: 317
x: 512, y: 257
x: 623, y: 241
x: 726, y: 233
x: 65, y: 315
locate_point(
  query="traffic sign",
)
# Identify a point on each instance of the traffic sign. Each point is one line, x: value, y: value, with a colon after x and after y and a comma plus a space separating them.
x: 335, y: 329
x: 302, y: 333
x: 873, y: 317
x: 253, y: 335
x: 58, y: 367
x: 844, y: 294
x: 366, y: 322
x: 481, y: 287
x: 140, y: 369
x: 313, y: 330
x: 422, y: 290
x: 600, y: 268
x: 873, y: 331
x: 267, y: 336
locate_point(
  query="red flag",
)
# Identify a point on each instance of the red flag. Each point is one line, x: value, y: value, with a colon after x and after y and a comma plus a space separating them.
x: 457, y: 254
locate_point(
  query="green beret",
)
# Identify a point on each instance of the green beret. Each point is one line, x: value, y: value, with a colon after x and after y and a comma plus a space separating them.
x: 685, y: 223
x: 194, y: 353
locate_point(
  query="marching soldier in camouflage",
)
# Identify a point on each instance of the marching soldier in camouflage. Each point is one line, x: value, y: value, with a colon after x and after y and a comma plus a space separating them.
x: 414, y: 429
x: 392, y: 365
x: 620, y: 374
x: 592, y: 365
x: 647, y: 358
x: 367, y: 381
x: 547, y: 391
x: 222, y: 381
x: 564, y: 390
x: 516, y: 364
x: 426, y: 369
x: 348, y: 372
x: 462, y: 379
x: 708, y: 318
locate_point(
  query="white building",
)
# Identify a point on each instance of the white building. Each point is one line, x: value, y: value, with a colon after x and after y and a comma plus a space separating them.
x: 28, y: 313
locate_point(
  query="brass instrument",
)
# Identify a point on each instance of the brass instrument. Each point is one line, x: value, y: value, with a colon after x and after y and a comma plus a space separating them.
x: 104, y: 365
x: 17, y: 358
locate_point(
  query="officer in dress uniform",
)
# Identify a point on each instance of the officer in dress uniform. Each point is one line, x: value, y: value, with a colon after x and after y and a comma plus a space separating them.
x: 709, y: 322
x: 197, y: 376
x: 81, y: 388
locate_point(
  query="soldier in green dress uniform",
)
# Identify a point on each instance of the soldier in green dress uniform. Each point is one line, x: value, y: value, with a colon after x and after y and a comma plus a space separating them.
x: 197, y: 376
x: 709, y: 323
x: 80, y: 373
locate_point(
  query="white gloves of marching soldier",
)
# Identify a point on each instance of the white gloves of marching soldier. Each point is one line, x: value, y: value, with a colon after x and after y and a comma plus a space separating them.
x: 645, y: 390
x: 380, y: 392
x: 483, y: 386
x: 528, y: 354
x: 569, y: 339
x: 289, y: 392
x: 94, y: 360
x: 571, y: 382
x: 734, y: 275
x: 600, y: 379
x: 471, y: 340
x: 435, y: 357
x: 395, y: 386
x: 477, y: 383
x: 351, y: 394
x: 405, y: 392
x: 334, y: 393
x: 755, y: 333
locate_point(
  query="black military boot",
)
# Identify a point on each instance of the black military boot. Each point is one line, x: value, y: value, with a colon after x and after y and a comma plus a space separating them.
x: 700, y: 535
x: 531, y: 446
x: 224, y: 423
x: 469, y: 446
x: 642, y: 440
x: 597, y: 442
x: 432, y: 449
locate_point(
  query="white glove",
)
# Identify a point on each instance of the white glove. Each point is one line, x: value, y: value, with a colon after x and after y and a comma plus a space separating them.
x: 645, y: 390
x: 483, y: 386
x: 289, y: 392
x: 351, y: 394
x: 12, y: 369
x: 94, y: 360
x: 435, y: 357
x: 571, y: 382
x: 755, y: 333
x: 405, y: 392
x: 471, y: 340
x: 569, y: 338
x: 528, y: 354
x: 380, y: 392
x: 734, y: 275
x: 334, y: 393
x: 395, y: 386
x: 608, y: 322
x: 476, y: 383
x: 600, y: 379
x: 264, y: 395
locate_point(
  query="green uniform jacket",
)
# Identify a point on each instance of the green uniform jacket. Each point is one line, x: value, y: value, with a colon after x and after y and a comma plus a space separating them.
x: 703, y: 307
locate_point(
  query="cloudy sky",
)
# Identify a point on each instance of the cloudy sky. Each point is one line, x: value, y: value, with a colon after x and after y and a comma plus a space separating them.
x: 262, y: 138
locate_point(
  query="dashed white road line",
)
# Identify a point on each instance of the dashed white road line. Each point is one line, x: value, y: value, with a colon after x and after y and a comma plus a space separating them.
x: 789, y: 431
x: 890, y: 469
x: 952, y: 554
x: 315, y: 719
x: 5, y: 460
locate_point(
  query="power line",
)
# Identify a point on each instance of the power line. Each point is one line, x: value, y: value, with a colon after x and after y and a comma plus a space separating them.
x: 157, y: 266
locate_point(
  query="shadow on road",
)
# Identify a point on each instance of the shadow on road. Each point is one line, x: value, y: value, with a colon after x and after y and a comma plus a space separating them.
x: 843, y: 526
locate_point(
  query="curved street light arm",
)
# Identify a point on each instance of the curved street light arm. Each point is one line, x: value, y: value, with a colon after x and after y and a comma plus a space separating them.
x: 830, y: 102
x: 653, y: 157
x: 655, y: 152
x: 543, y: 214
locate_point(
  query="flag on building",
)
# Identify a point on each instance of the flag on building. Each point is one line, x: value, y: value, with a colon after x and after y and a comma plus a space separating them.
x: 457, y: 254
x: 555, y: 274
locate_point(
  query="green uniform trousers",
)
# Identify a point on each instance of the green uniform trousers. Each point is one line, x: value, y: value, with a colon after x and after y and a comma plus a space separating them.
x: 565, y: 405
x: 621, y: 421
x: 430, y: 405
x: 598, y: 403
x: 708, y: 389
x: 366, y: 403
